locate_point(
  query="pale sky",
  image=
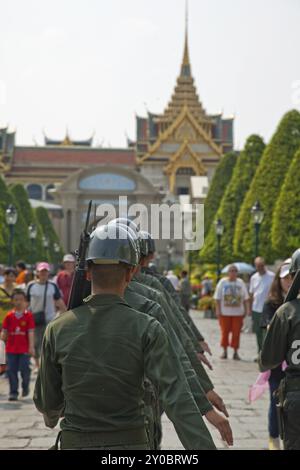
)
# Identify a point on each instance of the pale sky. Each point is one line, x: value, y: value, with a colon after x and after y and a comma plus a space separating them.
x: 90, y: 65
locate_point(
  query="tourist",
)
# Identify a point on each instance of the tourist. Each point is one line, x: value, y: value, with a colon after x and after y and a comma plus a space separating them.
x: 185, y: 290
x: 65, y: 277
x: 18, y: 333
x: 44, y: 297
x: 22, y: 274
x: 173, y: 279
x: 260, y: 284
x: 6, y: 290
x: 279, y: 288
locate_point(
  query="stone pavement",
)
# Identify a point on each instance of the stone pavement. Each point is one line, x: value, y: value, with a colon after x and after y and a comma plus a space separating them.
x: 22, y: 427
x: 232, y: 379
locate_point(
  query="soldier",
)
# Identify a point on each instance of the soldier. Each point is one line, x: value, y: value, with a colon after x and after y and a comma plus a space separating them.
x: 169, y: 287
x: 95, y: 358
x: 282, y: 343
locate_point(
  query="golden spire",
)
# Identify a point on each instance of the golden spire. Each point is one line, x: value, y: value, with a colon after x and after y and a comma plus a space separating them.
x: 185, y: 93
x: 186, y: 66
x: 67, y: 141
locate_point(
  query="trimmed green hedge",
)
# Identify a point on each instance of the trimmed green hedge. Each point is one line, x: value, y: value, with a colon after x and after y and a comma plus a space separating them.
x: 265, y: 187
x: 21, y: 245
x: 286, y: 216
x: 232, y: 200
x: 24, y: 207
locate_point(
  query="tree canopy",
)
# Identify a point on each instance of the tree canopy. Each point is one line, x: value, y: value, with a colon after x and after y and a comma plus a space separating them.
x: 265, y: 188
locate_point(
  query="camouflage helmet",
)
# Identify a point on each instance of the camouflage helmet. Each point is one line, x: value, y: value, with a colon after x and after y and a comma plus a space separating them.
x: 295, y: 264
x: 112, y: 244
x: 149, y: 240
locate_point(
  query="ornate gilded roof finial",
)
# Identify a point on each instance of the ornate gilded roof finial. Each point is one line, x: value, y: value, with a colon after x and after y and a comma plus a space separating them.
x: 186, y: 66
x: 67, y: 141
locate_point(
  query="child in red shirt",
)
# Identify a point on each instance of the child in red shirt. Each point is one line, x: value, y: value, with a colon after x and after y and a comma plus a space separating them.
x: 18, y: 333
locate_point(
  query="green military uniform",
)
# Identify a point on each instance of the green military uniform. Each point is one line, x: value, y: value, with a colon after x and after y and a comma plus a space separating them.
x: 282, y: 342
x: 169, y: 287
x: 175, y: 306
x: 100, y: 394
x: 181, y: 365
x: 188, y: 347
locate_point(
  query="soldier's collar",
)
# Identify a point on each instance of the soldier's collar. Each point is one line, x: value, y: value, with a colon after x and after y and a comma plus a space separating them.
x: 103, y: 298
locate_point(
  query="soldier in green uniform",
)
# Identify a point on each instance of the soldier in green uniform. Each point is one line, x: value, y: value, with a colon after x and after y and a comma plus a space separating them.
x: 95, y: 357
x: 167, y: 285
x: 282, y: 343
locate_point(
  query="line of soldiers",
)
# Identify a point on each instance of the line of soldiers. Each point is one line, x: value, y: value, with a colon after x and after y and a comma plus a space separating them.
x: 111, y: 367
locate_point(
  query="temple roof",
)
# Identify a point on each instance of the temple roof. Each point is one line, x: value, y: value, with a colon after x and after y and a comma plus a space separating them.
x: 68, y: 142
x: 185, y: 93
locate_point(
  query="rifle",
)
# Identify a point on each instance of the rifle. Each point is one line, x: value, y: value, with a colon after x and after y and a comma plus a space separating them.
x: 294, y: 289
x: 78, y: 288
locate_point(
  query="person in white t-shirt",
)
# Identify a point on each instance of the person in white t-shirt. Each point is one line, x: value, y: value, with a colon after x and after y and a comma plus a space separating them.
x: 259, y: 289
x: 232, y: 305
x: 173, y: 279
x: 44, y: 298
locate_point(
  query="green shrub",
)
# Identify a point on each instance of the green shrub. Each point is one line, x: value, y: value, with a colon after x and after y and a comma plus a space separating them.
x: 286, y: 216
x: 218, y: 186
x: 21, y: 245
x: 232, y: 200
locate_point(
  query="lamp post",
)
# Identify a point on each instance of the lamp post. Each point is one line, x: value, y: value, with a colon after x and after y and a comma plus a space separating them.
x: 11, y: 216
x: 219, y: 229
x: 45, y: 241
x: 32, y: 229
x: 257, y: 217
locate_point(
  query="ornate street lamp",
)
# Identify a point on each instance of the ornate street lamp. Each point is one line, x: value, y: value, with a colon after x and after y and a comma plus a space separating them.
x: 11, y: 216
x: 32, y: 229
x: 257, y: 217
x: 219, y: 229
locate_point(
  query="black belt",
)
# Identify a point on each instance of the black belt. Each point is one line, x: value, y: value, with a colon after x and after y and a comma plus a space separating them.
x: 74, y: 439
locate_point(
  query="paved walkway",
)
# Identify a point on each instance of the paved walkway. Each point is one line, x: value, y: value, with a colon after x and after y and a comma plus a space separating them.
x: 21, y: 426
x: 232, y: 380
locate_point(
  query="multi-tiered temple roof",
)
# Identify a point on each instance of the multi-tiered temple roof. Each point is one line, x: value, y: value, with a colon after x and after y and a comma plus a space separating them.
x: 185, y: 96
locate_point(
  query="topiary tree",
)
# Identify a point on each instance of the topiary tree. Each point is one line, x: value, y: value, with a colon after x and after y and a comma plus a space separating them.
x: 265, y: 187
x: 48, y: 230
x: 23, y: 205
x: 286, y: 217
x: 5, y: 200
x: 21, y: 244
x: 232, y: 200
